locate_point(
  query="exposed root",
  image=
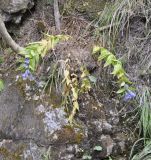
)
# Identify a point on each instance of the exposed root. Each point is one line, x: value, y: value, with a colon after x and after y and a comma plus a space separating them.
x: 3, y: 31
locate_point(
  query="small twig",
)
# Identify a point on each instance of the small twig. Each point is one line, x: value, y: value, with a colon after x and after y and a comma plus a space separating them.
x: 57, y: 16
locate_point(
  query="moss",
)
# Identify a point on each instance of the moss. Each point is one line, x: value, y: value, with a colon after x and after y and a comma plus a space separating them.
x: 8, y: 155
x: 70, y: 135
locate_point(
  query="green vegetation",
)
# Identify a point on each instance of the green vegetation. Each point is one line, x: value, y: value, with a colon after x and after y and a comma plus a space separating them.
x: 118, y: 71
x: 115, y: 17
x: 36, y: 50
x: 72, y: 85
x: 1, y: 85
x: 145, y: 113
x: 145, y: 154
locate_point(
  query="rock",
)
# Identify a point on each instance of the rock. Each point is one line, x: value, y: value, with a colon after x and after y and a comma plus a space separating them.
x: 71, y: 148
x: 120, y: 140
x: 24, y: 120
x: 54, y: 120
x: 20, y: 150
x: 102, y: 126
x: 13, y: 10
x: 33, y: 152
x: 91, y: 8
x: 107, y: 144
x: 66, y: 157
x: 107, y: 128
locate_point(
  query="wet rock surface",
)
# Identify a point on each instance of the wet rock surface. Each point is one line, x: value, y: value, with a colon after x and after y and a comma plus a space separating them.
x: 24, y: 120
x: 13, y: 10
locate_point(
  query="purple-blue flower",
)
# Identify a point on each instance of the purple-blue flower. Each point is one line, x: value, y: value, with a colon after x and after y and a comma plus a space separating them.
x: 129, y: 95
x: 27, y: 75
x: 27, y: 61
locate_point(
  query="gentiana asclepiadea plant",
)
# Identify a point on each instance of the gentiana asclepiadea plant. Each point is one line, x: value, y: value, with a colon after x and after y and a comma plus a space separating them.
x: 118, y: 71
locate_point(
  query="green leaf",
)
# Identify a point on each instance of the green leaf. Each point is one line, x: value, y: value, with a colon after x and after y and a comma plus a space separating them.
x: 120, y: 75
x: 32, y: 65
x: 32, y: 53
x: 84, y: 72
x: 110, y: 60
x: 1, y: 85
x: 87, y: 157
x: 97, y: 148
x: 20, y: 68
x: 122, y: 84
x: 132, y: 88
x: 37, y: 59
x: 117, y: 68
x: 120, y: 91
x: 92, y: 79
x: 104, y: 54
x: 124, y: 79
x: 28, y: 56
x: 110, y: 158
x: 1, y: 59
x: 86, y: 85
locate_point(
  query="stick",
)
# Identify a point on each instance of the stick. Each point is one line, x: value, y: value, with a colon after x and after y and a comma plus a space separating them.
x: 57, y: 16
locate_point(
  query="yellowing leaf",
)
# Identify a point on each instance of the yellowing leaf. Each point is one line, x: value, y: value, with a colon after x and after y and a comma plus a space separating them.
x: 96, y: 49
x: 75, y: 93
x: 70, y: 119
x: 84, y: 73
x: 76, y: 105
x: 66, y: 73
x: 86, y: 85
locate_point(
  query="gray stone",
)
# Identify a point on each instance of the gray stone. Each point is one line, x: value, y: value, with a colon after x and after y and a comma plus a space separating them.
x: 20, y: 120
x: 20, y: 150
x: 102, y: 126
x: 107, y: 143
x: 12, y: 10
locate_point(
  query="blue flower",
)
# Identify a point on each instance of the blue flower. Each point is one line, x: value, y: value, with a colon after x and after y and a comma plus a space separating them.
x: 129, y: 95
x: 27, y: 61
x: 27, y: 75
